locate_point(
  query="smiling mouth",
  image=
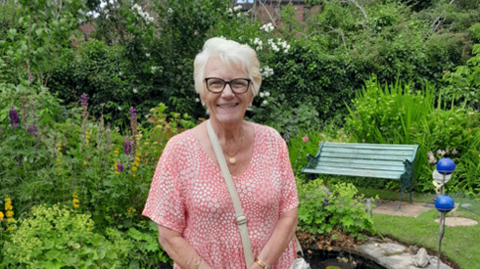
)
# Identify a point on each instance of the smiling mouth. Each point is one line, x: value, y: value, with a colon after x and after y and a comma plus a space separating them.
x: 227, y: 106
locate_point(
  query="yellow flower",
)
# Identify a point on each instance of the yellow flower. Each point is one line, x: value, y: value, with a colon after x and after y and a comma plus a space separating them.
x: 117, y: 173
x: 136, y: 163
x: 469, y: 130
x: 60, y: 154
x: 59, y: 144
x: 134, y: 168
x: 88, y: 140
x: 85, y: 163
x: 137, y: 159
x: 8, y: 207
x: 59, y: 169
x: 115, y: 166
x: 133, y: 175
x: 8, y: 201
x: 1, y: 216
x: 10, y: 229
x: 59, y: 148
x: 9, y: 214
x: 138, y: 154
x: 58, y: 160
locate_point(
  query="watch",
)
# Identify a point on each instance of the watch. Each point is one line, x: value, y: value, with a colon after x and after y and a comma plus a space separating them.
x: 264, y: 266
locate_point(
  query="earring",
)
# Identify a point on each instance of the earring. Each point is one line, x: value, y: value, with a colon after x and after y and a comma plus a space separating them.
x: 203, y: 104
x: 250, y: 105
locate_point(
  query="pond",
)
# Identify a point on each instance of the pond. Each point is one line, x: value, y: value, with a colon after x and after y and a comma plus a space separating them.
x: 322, y: 259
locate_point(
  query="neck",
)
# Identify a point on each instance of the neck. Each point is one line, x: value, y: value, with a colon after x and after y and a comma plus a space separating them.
x: 228, y: 132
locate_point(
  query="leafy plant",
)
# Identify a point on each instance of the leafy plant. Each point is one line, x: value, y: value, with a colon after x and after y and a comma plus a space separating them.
x: 322, y: 211
x: 57, y: 237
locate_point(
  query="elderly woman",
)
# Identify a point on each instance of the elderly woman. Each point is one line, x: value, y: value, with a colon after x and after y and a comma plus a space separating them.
x: 189, y: 199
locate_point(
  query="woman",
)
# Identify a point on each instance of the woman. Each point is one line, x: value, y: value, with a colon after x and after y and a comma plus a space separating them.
x: 189, y: 198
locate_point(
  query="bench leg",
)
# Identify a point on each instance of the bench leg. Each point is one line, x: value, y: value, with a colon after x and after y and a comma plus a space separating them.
x: 400, y: 201
x: 411, y: 201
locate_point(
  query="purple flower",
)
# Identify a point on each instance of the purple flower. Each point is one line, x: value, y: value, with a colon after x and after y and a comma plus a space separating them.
x: 119, y: 167
x: 133, y: 112
x: 127, y: 146
x: 33, y: 130
x: 431, y: 158
x: 84, y: 99
x: 441, y: 152
x: 14, y: 119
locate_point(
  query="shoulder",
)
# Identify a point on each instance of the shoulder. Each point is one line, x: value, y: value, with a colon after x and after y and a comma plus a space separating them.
x: 267, y: 132
x: 268, y: 136
x: 180, y: 141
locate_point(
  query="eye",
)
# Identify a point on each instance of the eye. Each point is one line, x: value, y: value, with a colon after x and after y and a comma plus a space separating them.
x: 239, y: 83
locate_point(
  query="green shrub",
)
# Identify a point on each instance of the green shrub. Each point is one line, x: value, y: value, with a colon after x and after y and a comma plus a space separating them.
x: 56, y: 237
x: 320, y: 213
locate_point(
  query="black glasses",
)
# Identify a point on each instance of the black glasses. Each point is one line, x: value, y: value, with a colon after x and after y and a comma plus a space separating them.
x: 217, y: 85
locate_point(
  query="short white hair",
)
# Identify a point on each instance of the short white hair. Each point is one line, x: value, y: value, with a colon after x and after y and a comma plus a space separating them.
x: 229, y: 52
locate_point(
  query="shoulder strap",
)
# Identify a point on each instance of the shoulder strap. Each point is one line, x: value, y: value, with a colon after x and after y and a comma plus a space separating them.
x: 240, y: 217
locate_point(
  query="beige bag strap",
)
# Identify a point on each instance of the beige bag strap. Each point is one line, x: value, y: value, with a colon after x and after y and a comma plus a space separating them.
x: 240, y: 217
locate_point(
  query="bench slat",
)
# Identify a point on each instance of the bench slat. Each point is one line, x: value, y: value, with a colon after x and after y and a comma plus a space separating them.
x: 364, y: 157
x: 372, y: 166
x: 363, y: 161
x: 406, y: 153
x: 369, y: 146
x: 354, y: 172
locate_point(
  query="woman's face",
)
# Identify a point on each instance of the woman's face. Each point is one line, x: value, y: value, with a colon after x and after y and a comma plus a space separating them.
x: 227, y: 107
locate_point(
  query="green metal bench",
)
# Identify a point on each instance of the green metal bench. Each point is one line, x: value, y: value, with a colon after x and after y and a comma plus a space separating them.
x: 394, y: 162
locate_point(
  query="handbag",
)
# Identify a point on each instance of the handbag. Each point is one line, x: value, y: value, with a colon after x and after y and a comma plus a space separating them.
x: 241, y: 219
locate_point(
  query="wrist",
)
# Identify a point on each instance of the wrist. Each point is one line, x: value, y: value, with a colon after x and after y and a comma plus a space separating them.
x: 198, y: 263
x: 262, y: 264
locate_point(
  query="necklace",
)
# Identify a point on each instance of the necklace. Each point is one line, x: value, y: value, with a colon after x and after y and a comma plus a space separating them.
x: 232, y: 159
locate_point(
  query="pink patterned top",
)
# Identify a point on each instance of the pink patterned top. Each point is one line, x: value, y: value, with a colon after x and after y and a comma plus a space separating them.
x: 189, y: 195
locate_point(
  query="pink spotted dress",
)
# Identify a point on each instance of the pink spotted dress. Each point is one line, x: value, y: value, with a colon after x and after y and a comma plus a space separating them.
x: 189, y: 195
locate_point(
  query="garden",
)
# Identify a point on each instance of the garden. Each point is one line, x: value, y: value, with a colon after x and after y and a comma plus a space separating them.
x: 84, y: 118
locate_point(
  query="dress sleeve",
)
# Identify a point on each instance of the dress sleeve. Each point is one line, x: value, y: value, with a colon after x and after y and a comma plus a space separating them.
x: 165, y: 203
x: 289, y: 192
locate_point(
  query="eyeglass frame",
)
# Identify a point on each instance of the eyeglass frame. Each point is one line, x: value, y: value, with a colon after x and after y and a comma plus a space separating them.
x: 229, y: 84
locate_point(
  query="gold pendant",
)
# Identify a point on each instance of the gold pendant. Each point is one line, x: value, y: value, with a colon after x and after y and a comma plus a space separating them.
x: 232, y: 160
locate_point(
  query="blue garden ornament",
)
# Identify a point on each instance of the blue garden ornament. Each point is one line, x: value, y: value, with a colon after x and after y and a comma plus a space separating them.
x: 445, y: 166
x: 444, y: 204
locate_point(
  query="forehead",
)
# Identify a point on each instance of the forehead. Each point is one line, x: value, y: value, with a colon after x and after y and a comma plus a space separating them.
x: 216, y: 68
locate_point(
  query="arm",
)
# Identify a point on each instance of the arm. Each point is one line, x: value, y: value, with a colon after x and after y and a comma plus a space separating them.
x: 179, y: 249
x: 282, y: 235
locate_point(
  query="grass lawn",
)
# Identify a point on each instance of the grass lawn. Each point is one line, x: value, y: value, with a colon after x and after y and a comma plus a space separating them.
x: 459, y: 243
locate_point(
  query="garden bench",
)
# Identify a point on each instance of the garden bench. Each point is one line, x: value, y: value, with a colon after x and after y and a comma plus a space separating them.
x: 386, y: 161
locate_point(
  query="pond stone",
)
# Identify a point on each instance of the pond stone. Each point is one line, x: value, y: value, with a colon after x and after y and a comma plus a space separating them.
x: 395, y: 256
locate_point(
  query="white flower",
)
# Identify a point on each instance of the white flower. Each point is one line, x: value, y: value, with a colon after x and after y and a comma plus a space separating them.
x: 240, y: 38
x: 119, y: 73
x: 107, y: 16
x: 267, y: 94
x: 146, y: 116
x: 119, y: 108
x: 237, y: 8
x: 239, y: 15
x: 262, y: 94
x: 170, y: 10
x: 154, y: 69
x: 147, y: 54
x: 197, y: 100
x: 135, y: 90
x: 265, y: 102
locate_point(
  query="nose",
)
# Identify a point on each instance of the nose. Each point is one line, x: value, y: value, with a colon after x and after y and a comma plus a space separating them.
x: 228, y: 90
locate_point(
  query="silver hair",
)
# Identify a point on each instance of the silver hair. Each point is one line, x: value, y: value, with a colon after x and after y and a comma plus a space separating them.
x: 229, y: 52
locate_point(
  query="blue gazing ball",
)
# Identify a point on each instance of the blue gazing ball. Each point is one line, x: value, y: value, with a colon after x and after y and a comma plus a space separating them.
x: 444, y: 204
x: 445, y: 166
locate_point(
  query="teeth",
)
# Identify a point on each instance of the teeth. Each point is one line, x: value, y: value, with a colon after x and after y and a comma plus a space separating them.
x: 225, y: 106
